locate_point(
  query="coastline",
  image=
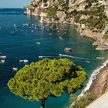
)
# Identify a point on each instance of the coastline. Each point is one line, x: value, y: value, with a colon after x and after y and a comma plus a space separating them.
x: 100, y: 74
x: 99, y: 42
x: 79, y: 13
x: 98, y: 83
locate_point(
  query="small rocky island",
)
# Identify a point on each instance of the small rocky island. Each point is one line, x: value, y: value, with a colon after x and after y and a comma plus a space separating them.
x: 90, y: 16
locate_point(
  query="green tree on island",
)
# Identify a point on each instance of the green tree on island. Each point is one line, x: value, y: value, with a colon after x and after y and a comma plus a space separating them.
x: 47, y: 77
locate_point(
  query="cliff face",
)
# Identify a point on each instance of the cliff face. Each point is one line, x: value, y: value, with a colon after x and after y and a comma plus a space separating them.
x: 91, y: 16
x: 54, y: 9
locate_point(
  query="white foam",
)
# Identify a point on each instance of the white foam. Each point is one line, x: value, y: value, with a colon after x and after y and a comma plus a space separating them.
x: 45, y: 57
x: 25, y: 65
x: 100, y: 58
x: 25, y: 25
x: 50, y: 33
x: 93, y: 77
x: 15, y: 25
x: 69, y: 56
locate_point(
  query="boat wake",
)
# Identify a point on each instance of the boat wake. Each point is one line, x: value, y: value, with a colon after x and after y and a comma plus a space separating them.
x: 87, y: 60
x: 40, y: 57
x: 69, y: 56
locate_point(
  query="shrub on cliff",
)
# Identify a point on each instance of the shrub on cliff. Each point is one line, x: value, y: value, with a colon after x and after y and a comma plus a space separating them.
x: 51, y: 12
x: 47, y: 77
x: 84, y: 101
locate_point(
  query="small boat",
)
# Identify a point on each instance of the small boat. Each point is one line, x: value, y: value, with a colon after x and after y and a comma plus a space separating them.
x: 100, y: 58
x: 87, y: 61
x: 2, y: 61
x: 15, y: 26
x: 38, y: 43
x: 40, y: 56
x: 24, y: 61
x: 2, y: 57
x: 68, y: 49
x: 61, y: 38
x: 15, y: 69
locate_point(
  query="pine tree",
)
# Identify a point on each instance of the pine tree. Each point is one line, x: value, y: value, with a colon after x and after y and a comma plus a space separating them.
x: 47, y: 77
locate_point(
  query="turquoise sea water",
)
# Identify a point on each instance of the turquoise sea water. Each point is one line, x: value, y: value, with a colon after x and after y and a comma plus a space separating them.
x: 23, y: 37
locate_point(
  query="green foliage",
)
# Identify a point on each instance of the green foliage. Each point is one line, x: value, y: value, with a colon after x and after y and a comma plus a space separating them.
x: 51, y: 12
x: 84, y: 101
x: 47, y: 77
x: 77, y: 18
x: 96, y: 18
x: 64, y: 5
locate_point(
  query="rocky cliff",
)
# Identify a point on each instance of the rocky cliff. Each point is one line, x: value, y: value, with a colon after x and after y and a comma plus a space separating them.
x: 91, y: 16
x: 54, y: 10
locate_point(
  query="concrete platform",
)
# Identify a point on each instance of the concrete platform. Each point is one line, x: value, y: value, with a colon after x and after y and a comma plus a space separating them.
x: 101, y: 102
